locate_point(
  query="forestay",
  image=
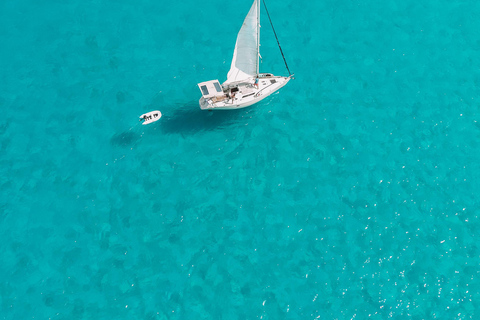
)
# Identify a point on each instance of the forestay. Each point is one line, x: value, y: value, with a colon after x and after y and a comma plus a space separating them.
x: 245, y: 57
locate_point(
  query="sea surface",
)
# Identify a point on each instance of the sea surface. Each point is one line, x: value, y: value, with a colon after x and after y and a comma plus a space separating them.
x: 352, y: 193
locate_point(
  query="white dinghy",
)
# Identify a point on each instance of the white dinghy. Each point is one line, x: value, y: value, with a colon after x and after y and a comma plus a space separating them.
x: 150, y: 117
x: 245, y: 85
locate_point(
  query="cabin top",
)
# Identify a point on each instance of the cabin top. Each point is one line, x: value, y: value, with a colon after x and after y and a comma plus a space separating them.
x: 211, y: 89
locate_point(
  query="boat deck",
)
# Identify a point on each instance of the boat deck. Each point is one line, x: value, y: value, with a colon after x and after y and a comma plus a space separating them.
x: 246, y: 94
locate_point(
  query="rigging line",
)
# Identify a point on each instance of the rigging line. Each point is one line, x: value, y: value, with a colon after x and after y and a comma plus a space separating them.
x: 289, y: 73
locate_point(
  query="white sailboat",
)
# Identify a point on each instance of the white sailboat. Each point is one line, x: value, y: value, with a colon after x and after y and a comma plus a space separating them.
x: 245, y: 85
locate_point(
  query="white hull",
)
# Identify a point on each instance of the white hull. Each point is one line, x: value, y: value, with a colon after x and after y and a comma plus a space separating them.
x: 246, y: 95
x: 150, y: 117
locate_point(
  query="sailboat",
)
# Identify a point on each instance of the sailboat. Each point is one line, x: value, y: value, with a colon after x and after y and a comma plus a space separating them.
x: 245, y: 85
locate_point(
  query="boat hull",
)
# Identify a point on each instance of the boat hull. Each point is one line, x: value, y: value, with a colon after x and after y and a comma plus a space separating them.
x: 247, y: 95
x: 150, y: 117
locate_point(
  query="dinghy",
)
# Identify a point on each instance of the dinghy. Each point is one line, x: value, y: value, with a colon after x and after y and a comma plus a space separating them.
x: 150, y: 117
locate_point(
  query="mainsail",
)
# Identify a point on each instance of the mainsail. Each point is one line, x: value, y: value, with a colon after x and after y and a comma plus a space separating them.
x: 245, y: 57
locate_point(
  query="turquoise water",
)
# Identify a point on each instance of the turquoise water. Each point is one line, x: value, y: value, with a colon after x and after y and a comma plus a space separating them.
x: 353, y: 193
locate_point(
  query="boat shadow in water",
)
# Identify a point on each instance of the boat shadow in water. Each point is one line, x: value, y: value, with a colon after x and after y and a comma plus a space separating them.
x: 189, y: 119
x: 125, y: 139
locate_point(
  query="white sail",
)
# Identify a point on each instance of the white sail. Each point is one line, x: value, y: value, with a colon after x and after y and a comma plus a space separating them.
x: 245, y: 57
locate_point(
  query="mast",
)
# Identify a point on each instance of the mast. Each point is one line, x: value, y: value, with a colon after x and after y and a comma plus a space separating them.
x: 258, y: 37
